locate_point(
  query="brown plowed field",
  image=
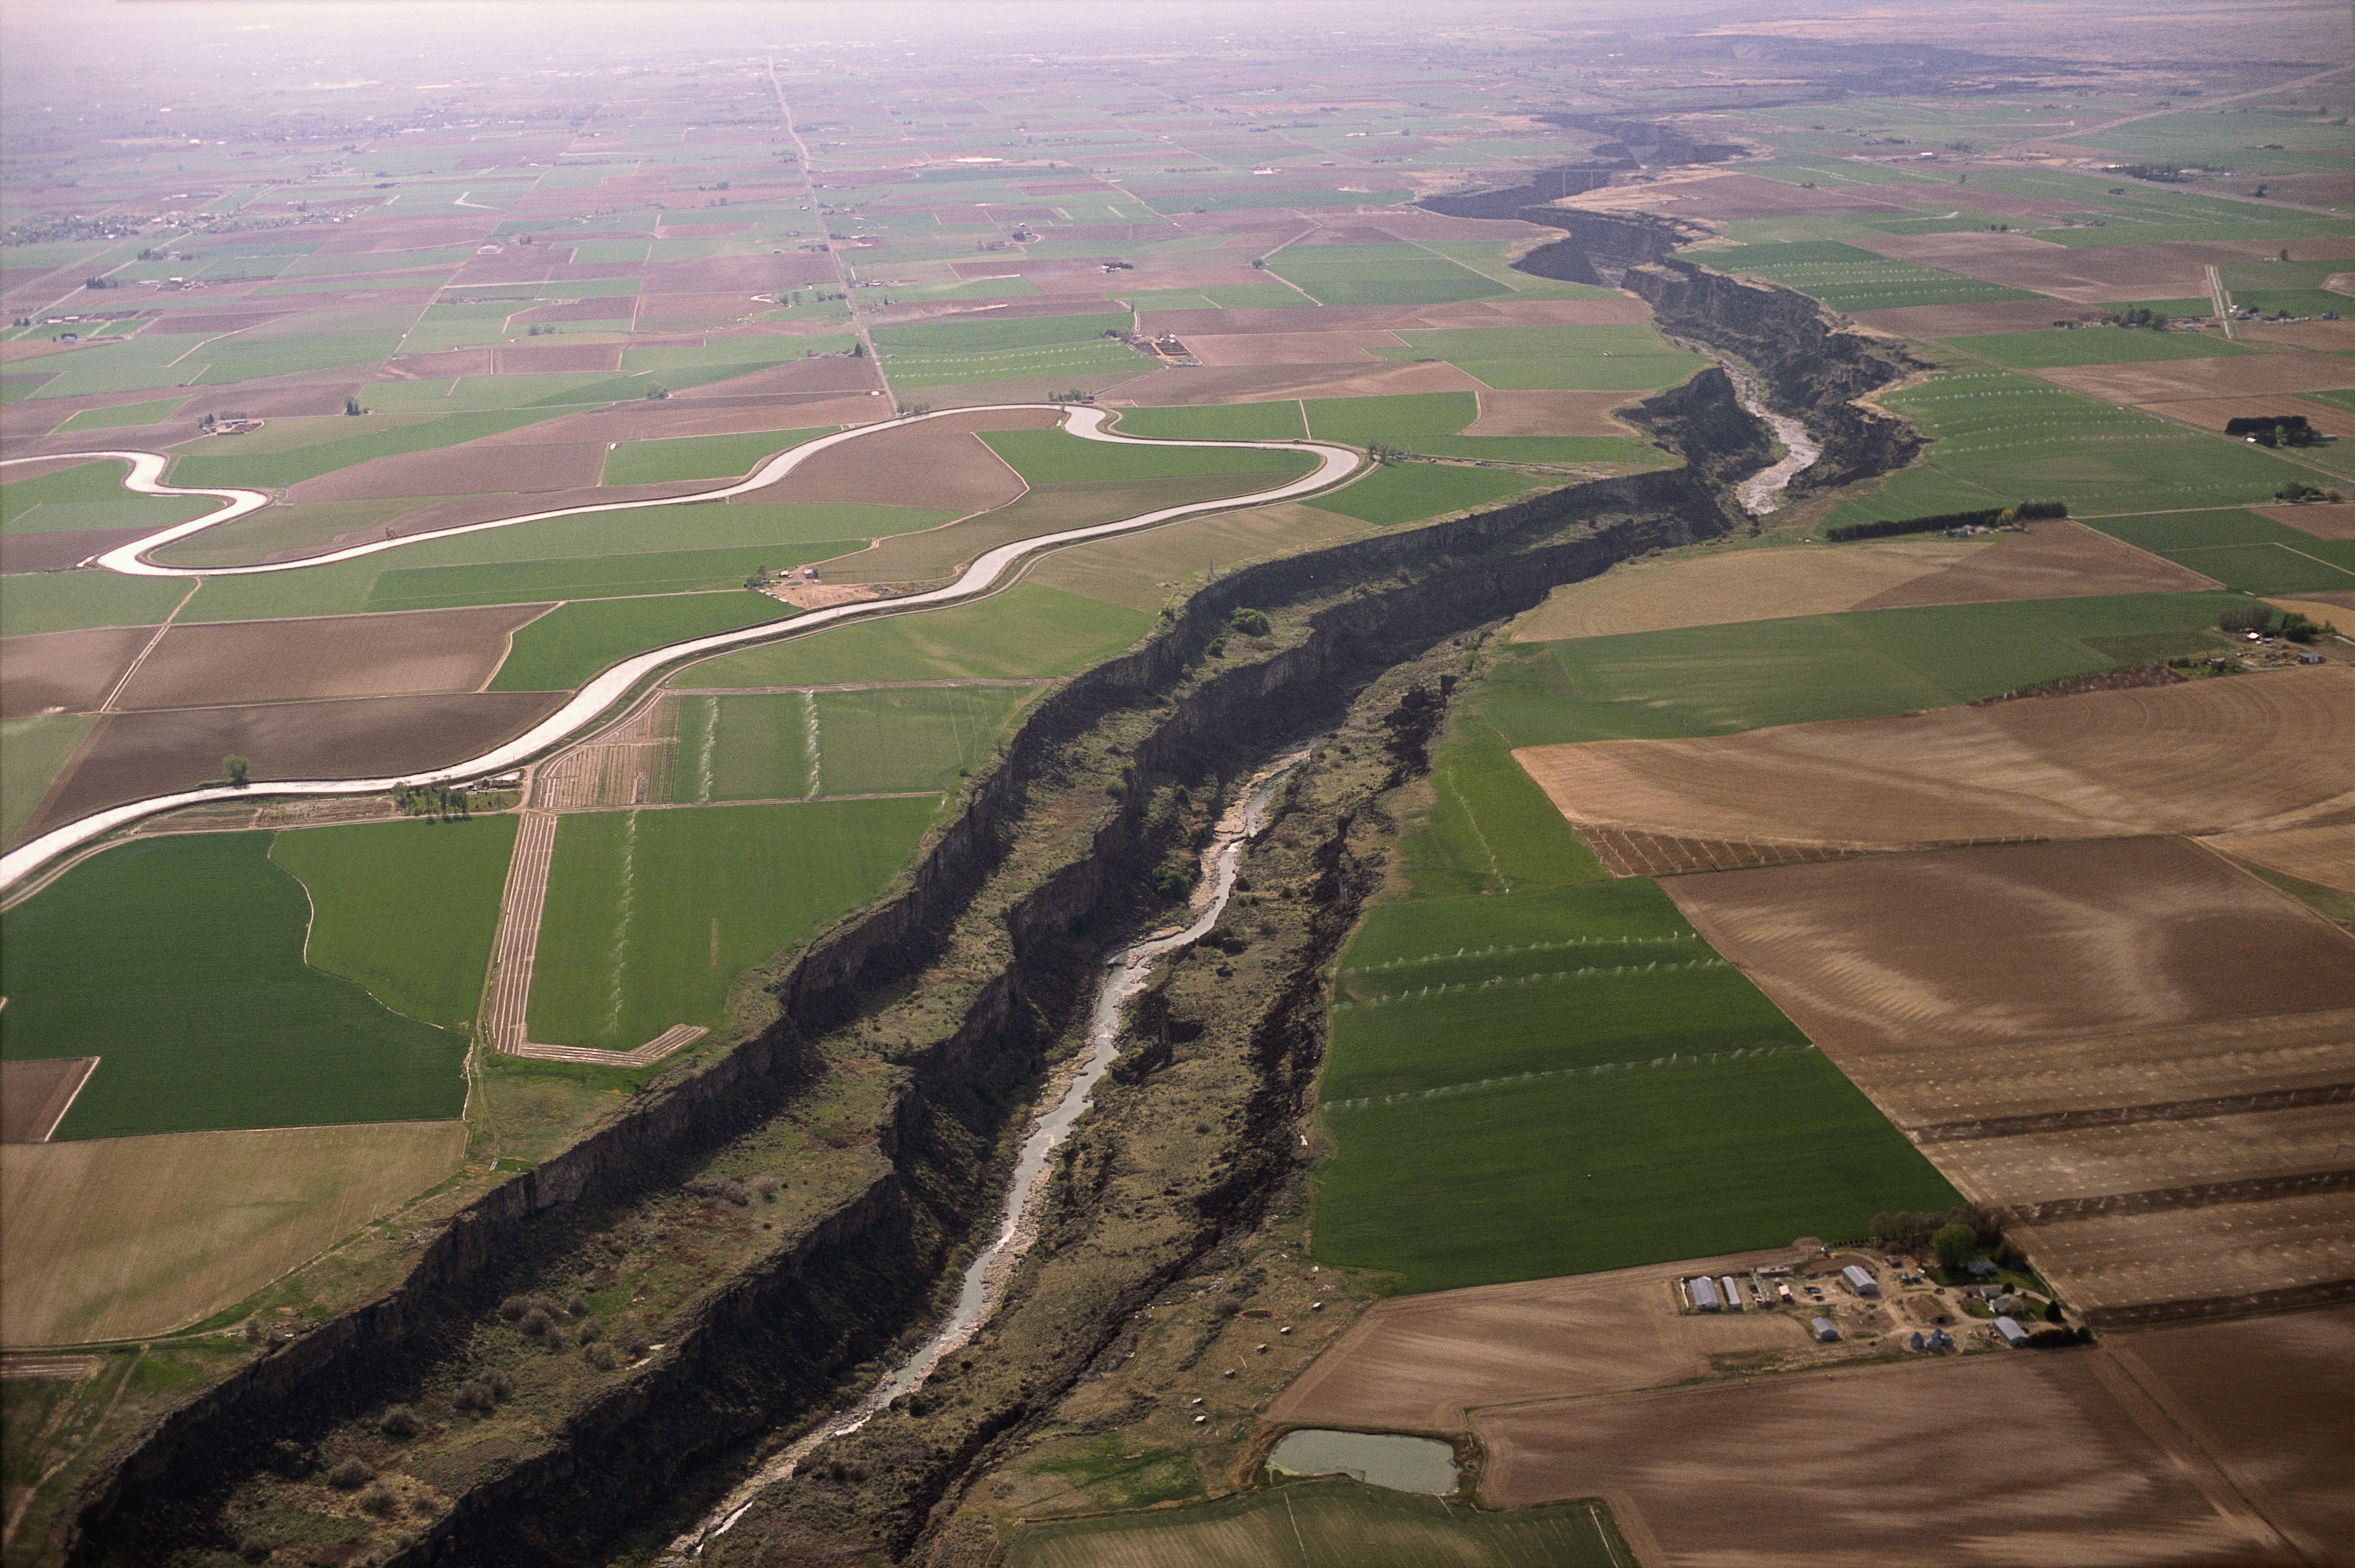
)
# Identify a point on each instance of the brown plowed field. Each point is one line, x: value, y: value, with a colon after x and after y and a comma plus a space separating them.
x: 2320, y: 522
x: 52, y: 552
x: 941, y: 464
x: 2219, y: 1252
x: 35, y: 1095
x: 539, y: 357
x: 1247, y: 384
x: 67, y: 670
x: 134, y: 755
x: 2174, y: 381
x: 2321, y: 855
x: 1852, y: 1469
x: 438, y: 364
x: 1289, y: 348
x: 1549, y: 414
x: 799, y: 376
x: 2131, y: 1021
x: 1627, y: 853
x: 1422, y: 1362
x: 2166, y: 759
x: 478, y: 469
x: 2272, y: 1401
x: 1962, y: 321
x: 217, y: 664
x: 2327, y: 337
x: 2089, y: 274
x: 2212, y: 413
x: 2028, y: 942
x: 1753, y: 195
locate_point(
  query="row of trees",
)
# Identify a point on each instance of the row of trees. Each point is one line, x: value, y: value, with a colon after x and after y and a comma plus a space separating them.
x: 1938, y: 523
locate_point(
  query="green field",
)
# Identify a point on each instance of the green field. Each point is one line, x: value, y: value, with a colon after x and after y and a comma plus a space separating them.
x: 592, y: 577
x: 68, y: 601
x: 32, y: 753
x: 1377, y: 274
x: 1055, y: 457
x: 1026, y: 630
x: 122, y: 414
x: 1410, y: 492
x: 178, y: 962
x: 783, y: 745
x: 697, y: 457
x: 87, y: 497
x: 227, y: 460
x: 1536, y: 1071
x: 1428, y: 422
x: 2247, y: 553
x: 948, y: 352
x: 406, y: 909
x: 1848, y: 279
x: 564, y: 648
x: 2008, y: 438
x: 1227, y: 422
x: 1327, y: 1524
x: 1716, y: 680
x: 651, y: 915
x: 2091, y: 345
x: 1591, y: 358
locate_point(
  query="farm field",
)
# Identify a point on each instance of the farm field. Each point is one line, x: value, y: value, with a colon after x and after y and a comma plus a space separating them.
x: 404, y: 909
x: 222, y: 1025
x: 2184, y: 986
x: 208, y: 665
x: 572, y: 643
x: 2243, y: 550
x: 122, y: 1238
x: 2163, y: 759
x: 1028, y: 630
x: 877, y: 740
x: 654, y: 915
x: 1325, y: 1524
x: 1529, y: 1067
x: 1715, y: 680
x: 1410, y: 492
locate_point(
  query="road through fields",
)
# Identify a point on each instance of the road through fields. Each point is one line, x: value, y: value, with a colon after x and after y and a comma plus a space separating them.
x: 986, y: 573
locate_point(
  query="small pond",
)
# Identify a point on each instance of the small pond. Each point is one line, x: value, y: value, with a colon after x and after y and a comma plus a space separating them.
x: 1402, y: 1464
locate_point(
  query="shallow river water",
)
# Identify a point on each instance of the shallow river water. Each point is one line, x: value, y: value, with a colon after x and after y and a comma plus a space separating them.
x: 1126, y: 974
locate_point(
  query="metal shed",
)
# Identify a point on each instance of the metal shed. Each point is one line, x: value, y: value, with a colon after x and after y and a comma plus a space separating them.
x: 1826, y: 1329
x: 1704, y: 1295
x: 2013, y: 1334
x: 1731, y: 1289
x: 1859, y: 1280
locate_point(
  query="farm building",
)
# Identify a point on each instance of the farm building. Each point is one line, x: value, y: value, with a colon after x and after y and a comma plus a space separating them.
x: 2012, y: 1333
x: 1826, y: 1329
x: 1862, y: 1283
x: 1731, y: 1292
x: 1704, y: 1295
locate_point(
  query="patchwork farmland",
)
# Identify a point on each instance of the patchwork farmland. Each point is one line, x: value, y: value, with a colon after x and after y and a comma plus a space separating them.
x: 608, y: 700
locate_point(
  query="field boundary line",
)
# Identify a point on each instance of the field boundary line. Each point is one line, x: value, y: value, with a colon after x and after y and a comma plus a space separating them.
x: 2143, y: 1407
x: 106, y: 705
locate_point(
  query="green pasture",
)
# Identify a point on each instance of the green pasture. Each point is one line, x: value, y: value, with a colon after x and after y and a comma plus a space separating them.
x: 178, y: 962
x: 1848, y: 279
x: 1717, y: 680
x: 244, y: 358
x: 33, y: 752
x: 1242, y: 297
x: 1377, y: 274
x: 562, y: 650
x: 1410, y: 492
x: 781, y: 745
x: 798, y: 530
x: 2091, y: 345
x: 1223, y: 422
x: 1327, y: 1524
x: 122, y: 414
x: 653, y: 915
x: 90, y: 496
x: 945, y: 352
x: 698, y: 457
x: 1027, y: 631
x: 1429, y: 423
x: 2013, y: 438
x: 476, y: 394
x: 135, y: 364
x: 1634, y: 358
x: 71, y: 602
x: 2242, y: 550
x: 1058, y: 457
x: 256, y: 467
x: 406, y: 910
x: 592, y: 577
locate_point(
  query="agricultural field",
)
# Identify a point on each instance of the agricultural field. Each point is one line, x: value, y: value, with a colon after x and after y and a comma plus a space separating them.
x: 2242, y: 550
x: 879, y: 740
x: 1327, y: 1524
x: 224, y: 1026
x: 653, y: 915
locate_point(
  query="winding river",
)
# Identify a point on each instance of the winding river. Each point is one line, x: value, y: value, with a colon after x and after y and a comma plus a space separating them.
x: 1126, y: 974
x: 988, y: 572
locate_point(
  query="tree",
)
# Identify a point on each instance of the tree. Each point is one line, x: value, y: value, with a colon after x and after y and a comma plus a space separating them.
x: 1954, y: 1245
x: 2052, y: 1311
x: 237, y: 768
x: 352, y: 407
